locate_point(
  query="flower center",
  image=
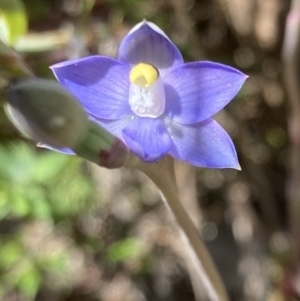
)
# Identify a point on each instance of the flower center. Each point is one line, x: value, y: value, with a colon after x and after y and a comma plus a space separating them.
x: 146, y: 93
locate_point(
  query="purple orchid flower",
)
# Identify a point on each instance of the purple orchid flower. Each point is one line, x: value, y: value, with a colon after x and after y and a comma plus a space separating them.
x: 154, y: 102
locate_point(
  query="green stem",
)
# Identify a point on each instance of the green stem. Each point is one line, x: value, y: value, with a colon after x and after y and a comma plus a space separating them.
x: 163, y: 177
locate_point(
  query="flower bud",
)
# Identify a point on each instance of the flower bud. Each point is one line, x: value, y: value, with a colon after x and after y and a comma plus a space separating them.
x: 46, y: 112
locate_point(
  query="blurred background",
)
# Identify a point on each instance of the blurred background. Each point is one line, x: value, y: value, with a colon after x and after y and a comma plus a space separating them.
x: 72, y: 231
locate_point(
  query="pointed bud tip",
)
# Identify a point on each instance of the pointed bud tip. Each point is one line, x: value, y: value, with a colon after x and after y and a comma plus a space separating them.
x: 45, y: 111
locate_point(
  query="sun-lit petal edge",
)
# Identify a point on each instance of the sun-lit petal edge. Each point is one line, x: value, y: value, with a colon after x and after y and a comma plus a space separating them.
x: 205, y: 144
x: 150, y: 24
x: 101, y: 84
x: 148, y: 44
x: 198, y: 90
x: 66, y: 151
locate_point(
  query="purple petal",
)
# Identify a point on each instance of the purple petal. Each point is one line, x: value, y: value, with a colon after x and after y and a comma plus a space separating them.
x: 147, y: 138
x: 196, y: 91
x: 205, y: 144
x: 100, y: 83
x: 148, y: 44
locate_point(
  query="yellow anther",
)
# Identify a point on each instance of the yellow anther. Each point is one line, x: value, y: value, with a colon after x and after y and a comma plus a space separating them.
x: 143, y: 75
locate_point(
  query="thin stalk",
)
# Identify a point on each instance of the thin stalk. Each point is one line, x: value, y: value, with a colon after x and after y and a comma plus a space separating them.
x: 163, y: 177
x: 290, y: 59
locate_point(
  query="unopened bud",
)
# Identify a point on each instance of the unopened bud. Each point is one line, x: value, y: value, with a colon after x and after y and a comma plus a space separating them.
x: 46, y: 112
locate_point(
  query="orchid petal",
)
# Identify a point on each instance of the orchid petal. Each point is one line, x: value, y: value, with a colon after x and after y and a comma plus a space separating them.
x: 101, y: 84
x: 205, y: 144
x: 196, y: 91
x: 147, y: 138
x: 147, y: 43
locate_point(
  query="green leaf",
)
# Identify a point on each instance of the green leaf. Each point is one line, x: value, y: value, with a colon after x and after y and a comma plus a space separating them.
x: 13, y: 20
x: 17, y: 163
x: 55, y: 263
x: 49, y: 165
x: 20, y: 207
x: 4, y: 200
x: 29, y: 282
x: 10, y: 253
x: 123, y: 250
x: 37, y: 200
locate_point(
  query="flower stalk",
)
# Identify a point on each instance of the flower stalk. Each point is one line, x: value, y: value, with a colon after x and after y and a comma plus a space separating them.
x: 163, y: 176
x: 290, y: 59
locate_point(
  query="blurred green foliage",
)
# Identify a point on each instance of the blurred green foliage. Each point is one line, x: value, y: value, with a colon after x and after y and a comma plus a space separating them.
x: 126, y: 249
x: 36, y: 186
x: 13, y: 20
x: 27, y: 181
